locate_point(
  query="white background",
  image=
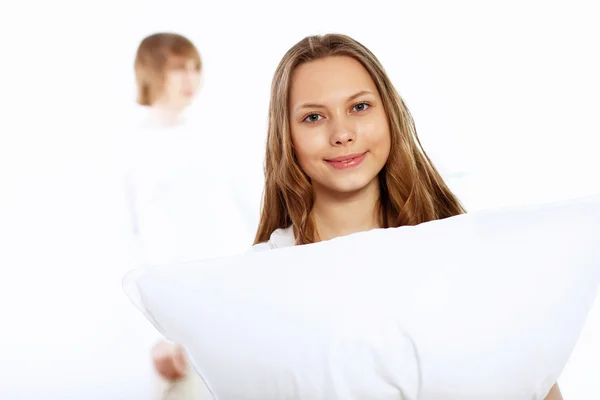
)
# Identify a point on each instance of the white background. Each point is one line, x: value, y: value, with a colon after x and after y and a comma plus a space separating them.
x: 505, y: 96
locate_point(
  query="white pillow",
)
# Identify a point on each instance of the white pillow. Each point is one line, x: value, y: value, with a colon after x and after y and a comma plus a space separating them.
x: 486, y: 305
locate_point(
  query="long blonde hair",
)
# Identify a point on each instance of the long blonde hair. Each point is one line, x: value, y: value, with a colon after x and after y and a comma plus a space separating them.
x: 412, y: 190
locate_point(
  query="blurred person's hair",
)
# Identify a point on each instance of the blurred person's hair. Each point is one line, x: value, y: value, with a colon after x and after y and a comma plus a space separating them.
x: 157, y: 54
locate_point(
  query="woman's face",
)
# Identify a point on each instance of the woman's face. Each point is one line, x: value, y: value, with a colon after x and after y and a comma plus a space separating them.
x: 339, y: 128
x: 182, y: 80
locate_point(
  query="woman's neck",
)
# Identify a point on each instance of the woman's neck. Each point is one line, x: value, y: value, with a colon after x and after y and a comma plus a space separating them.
x: 339, y: 215
x: 163, y: 117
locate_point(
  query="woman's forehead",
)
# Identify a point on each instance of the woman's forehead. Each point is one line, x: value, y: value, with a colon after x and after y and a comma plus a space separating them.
x: 328, y: 80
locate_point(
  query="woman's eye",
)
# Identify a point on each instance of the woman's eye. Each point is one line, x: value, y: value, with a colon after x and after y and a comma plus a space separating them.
x: 312, y: 118
x: 360, y: 107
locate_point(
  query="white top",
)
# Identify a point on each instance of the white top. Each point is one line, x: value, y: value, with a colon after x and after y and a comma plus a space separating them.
x: 278, y: 239
x: 183, y: 202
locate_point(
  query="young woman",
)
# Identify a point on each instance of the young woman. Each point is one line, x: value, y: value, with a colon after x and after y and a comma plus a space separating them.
x: 172, y: 188
x: 171, y: 184
x: 342, y: 155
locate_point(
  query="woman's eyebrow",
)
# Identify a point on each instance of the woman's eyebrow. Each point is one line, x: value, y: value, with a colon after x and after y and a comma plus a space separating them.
x: 309, y: 105
x: 315, y: 105
x: 361, y: 93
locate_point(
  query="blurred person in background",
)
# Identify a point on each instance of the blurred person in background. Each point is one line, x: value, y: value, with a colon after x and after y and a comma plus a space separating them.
x: 182, y: 205
x: 168, y: 72
x: 180, y: 201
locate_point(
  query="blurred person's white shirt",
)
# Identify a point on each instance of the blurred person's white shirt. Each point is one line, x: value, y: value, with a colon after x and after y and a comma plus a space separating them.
x: 184, y: 201
x: 187, y: 197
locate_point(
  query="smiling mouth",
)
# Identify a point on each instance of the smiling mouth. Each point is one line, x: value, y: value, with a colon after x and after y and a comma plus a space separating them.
x: 348, y: 161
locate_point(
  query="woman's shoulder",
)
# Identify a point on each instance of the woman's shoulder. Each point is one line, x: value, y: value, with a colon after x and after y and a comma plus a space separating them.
x: 283, y: 237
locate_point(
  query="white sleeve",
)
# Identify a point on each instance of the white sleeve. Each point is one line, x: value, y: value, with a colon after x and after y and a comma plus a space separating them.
x: 129, y: 193
x: 127, y: 189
